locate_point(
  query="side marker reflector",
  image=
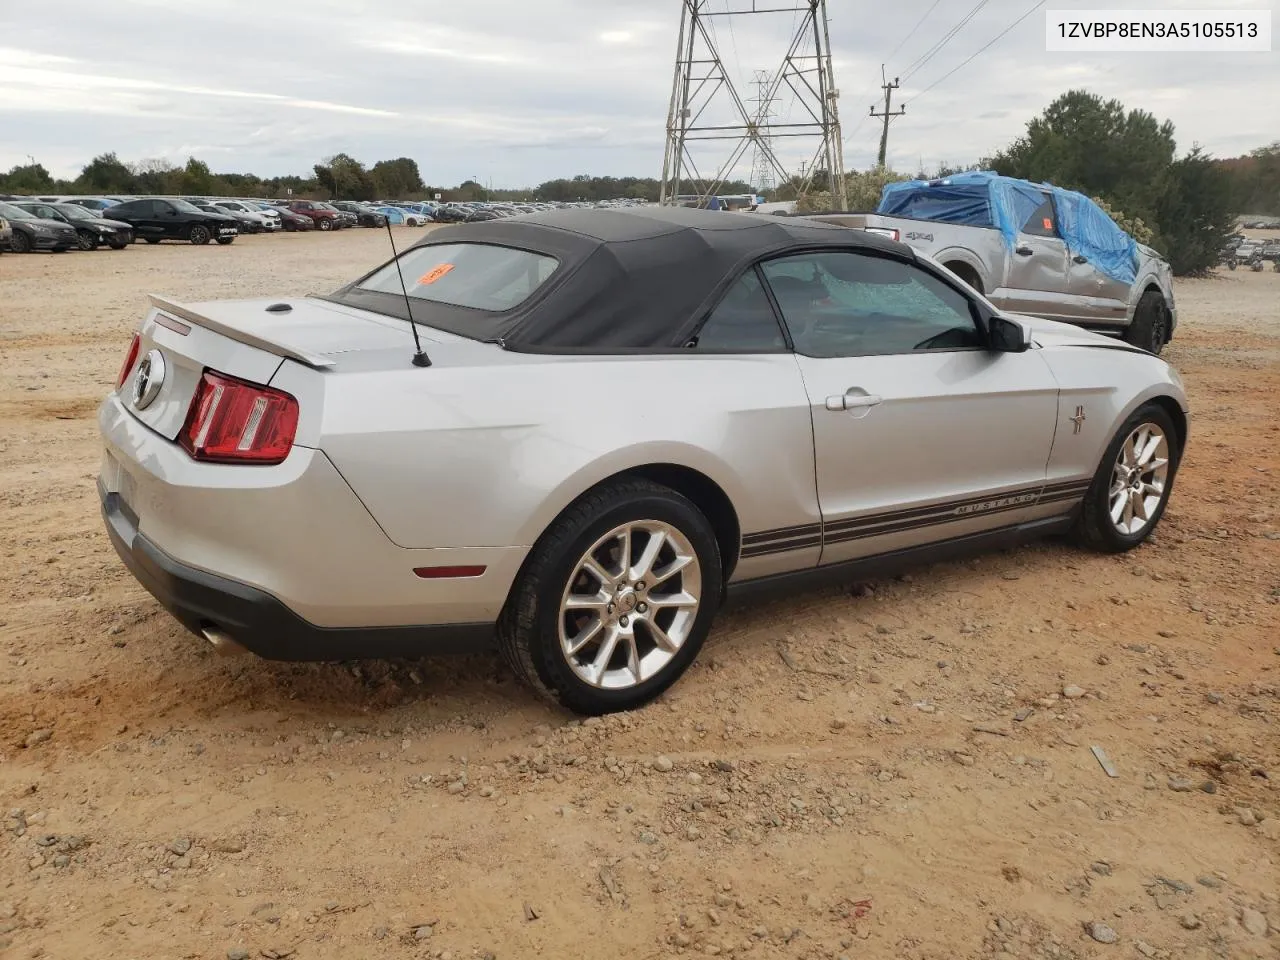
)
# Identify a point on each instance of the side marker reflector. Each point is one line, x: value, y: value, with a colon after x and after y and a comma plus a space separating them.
x: 448, y: 573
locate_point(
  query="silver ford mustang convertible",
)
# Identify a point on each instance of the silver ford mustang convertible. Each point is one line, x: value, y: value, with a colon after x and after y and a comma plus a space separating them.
x: 613, y: 421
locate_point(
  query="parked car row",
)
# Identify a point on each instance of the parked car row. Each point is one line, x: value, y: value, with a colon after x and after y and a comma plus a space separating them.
x: 57, y: 224
x: 1254, y: 254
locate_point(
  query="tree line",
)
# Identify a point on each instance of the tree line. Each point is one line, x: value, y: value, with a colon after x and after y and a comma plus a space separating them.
x: 340, y: 177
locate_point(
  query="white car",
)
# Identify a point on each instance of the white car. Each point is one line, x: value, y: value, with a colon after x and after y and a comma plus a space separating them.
x: 269, y: 219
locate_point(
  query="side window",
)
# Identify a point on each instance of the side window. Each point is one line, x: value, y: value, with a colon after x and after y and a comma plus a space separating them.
x: 161, y: 207
x: 860, y: 305
x: 742, y: 321
x: 1044, y: 221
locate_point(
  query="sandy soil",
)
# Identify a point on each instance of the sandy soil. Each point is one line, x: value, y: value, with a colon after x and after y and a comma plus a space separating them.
x: 824, y: 789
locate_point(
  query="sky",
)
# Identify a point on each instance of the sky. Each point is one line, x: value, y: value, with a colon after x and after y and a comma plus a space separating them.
x: 515, y: 92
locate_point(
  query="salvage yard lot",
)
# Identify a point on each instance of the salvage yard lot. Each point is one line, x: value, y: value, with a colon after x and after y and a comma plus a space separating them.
x: 890, y: 770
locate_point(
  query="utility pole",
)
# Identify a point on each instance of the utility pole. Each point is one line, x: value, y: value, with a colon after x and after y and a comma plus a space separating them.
x: 887, y: 115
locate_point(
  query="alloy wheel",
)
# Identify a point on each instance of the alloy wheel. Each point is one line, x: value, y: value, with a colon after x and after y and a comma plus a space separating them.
x: 1139, y: 479
x: 630, y: 604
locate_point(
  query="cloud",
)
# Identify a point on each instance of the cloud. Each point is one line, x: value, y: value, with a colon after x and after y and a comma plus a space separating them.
x: 521, y: 92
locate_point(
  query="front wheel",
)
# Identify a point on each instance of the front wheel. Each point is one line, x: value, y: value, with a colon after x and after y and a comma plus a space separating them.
x: 1131, y: 488
x: 20, y: 242
x: 199, y: 234
x: 87, y: 240
x: 615, y: 600
x: 223, y: 241
x: 1231, y: 264
x: 1150, y: 327
x: 325, y: 224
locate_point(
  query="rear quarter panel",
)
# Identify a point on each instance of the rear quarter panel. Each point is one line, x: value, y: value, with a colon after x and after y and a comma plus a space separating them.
x: 491, y: 454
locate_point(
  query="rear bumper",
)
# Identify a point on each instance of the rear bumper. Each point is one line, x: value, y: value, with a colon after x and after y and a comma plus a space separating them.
x: 258, y: 621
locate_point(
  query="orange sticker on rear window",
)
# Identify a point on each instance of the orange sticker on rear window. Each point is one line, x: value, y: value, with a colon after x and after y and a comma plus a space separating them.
x: 434, y: 274
x: 1048, y: 224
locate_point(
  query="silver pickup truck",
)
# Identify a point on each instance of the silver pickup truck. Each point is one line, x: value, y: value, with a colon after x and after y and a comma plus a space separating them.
x: 1041, y: 275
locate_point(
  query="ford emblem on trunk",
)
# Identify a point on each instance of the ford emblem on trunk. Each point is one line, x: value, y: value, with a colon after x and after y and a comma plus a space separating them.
x: 149, y: 380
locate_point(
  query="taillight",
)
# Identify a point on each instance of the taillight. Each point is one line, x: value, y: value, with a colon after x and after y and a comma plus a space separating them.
x: 130, y: 359
x: 233, y: 421
x: 889, y: 232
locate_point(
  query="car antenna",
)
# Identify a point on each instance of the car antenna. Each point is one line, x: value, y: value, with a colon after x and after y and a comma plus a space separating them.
x: 420, y: 358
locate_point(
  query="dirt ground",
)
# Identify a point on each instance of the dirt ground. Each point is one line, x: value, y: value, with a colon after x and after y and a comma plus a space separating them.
x: 889, y: 770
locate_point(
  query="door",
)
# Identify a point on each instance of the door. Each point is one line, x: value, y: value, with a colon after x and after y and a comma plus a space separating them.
x: 921, y: 433
x: 1096, y: 297
x: 1037, y: 282
x: 171, y: 221
x: 146, y: 218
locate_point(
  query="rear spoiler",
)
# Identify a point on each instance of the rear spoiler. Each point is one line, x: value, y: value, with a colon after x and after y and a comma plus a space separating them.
x: 260, y: 340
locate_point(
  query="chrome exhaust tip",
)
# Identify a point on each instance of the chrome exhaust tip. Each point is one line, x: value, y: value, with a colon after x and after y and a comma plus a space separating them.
x: 222, y: 642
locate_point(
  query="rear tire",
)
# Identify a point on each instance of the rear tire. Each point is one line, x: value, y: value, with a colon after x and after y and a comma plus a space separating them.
x: 1150, y: 327
x: 649, y: 651
x: 199, y: 234
x: 1115, y: 486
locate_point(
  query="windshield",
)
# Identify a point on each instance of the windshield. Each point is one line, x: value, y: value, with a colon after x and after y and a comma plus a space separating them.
x: 475, y: 275
x: 73, y: 212
x: 10, y: 212
x: 185, y: 207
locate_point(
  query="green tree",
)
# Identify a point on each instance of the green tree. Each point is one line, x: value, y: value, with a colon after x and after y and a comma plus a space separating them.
x: 105, y: 173
x: 343, y: 177
x: 1082, y: 142
x: 396, y: 179
x: 27, y: 178
x: 196, y: 179
x: 1193, y: 213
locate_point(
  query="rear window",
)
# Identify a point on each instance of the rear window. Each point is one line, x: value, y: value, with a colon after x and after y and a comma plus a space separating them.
x: 476, y: 275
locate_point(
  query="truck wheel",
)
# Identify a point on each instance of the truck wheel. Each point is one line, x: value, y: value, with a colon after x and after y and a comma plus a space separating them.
x: 1150, y: 327
x: 967, y: 274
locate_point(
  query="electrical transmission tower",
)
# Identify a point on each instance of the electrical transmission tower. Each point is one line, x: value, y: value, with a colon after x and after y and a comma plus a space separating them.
x: 761, y: 171
x: 706, y: 106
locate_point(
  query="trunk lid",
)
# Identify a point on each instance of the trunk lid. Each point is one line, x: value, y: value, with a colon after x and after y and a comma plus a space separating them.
x: 244, y: 339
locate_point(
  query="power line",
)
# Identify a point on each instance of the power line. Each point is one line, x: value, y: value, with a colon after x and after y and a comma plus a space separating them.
x: 990, y: 43
x: 946, y: 38
x: 912, y: 32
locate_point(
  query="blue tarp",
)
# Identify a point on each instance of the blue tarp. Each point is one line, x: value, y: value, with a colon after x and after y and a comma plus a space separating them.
x: 984, y: 199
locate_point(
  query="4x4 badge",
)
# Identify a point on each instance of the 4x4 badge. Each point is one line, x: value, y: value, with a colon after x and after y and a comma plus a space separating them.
x: 1078, y: 419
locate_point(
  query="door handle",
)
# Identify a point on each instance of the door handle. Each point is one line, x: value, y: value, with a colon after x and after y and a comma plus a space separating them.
x: 1024, y: 251
x: 852, y: 401
x: 1079, y: 259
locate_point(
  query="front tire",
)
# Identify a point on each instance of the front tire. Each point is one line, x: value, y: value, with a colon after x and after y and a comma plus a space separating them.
x: 1131, y: 488
x: 87, y: 240
x: 615, y: 600
x: 1150, y: 327
x: 224, y: 241
x: 19, y: 242
x: 325, y: 224
x: 199, y: 234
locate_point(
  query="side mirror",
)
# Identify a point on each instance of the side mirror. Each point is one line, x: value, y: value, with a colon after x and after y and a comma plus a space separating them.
x: 1008, y: 336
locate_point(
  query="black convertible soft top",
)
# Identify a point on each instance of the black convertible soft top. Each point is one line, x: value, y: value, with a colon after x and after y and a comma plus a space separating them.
x: 632, y: 278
